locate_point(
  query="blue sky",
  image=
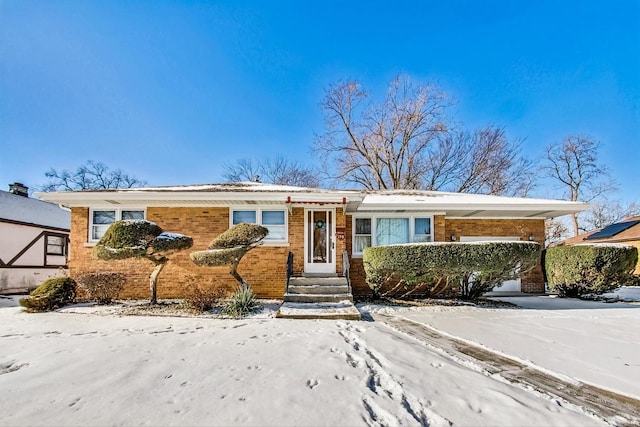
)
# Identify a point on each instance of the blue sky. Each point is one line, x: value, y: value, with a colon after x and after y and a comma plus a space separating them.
x: 170, y: 91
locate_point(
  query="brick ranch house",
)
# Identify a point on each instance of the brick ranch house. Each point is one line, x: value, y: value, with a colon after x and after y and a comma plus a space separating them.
x: 316, y: 225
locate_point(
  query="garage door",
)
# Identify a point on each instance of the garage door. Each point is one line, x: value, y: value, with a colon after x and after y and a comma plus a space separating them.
x: 509, y: 285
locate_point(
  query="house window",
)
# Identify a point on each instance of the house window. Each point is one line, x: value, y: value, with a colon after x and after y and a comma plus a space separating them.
x: 275, y: 220
x: 362, y: 234
x: 56, y: 245
x: 421, y: 230
x: 101, y: 219
x: 390, y: 229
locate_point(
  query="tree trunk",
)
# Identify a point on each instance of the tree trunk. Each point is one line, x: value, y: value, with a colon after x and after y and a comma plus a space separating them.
x: 234, y: 272
x: 574, y: 220
x: 153, y: 279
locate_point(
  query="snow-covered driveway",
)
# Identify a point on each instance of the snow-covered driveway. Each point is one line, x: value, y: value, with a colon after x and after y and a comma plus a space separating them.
x: 81, y: 369
x: 594, y: 342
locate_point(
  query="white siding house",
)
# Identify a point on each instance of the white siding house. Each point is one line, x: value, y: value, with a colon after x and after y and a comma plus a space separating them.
x: 34, y: 239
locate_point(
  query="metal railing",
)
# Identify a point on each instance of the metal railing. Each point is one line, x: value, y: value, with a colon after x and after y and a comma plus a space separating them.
x: 289, y: 270
x: 346, y: 267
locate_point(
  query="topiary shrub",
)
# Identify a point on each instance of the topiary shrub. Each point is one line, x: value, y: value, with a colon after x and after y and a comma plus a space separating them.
x: 242, y: 302
x: 595, y: 268
x: 435, y: 269
x: 138, y: 238
x: 229, y: 248
x: 102, y: 287
x: 51, y: 294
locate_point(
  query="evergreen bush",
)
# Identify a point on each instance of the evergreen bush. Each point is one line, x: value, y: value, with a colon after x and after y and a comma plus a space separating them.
x: 594, y: 268
x: 50, y: 295
x: 436, y: 269
x: 138, y: 238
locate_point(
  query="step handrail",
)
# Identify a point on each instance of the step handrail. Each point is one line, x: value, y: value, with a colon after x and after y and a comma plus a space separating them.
x: 346, y: 268
x: 289, y: 270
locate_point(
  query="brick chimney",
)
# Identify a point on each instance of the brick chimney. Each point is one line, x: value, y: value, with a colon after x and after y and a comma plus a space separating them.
x: 19, y: 189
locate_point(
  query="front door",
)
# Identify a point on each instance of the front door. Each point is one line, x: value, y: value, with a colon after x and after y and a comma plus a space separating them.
x: 319, y: 241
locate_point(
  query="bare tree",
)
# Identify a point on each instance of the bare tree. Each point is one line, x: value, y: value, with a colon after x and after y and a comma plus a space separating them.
x: 554, y: 230
x: 608, y: 212
x: 403, y: 142
x: 484, y: 161
x: 574, y: 165
x: 90, y: 176
x: 381, y: 146
x: 278, y: 170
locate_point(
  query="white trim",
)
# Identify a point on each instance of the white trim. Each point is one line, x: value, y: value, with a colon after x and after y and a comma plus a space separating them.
x: 258, y: 210
x: 310, y: 267
x: 374, y: 216
x: 118, y: 217
x: 469, y: 239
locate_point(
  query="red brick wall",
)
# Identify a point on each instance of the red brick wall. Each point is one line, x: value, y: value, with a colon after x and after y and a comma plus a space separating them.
x: 264, y: 267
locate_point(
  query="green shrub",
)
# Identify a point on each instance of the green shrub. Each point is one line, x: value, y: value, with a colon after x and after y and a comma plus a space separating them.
x: 242, y: 234
x: 242, y: 302
x: 138, y: 238
x: 201, y: 299
x: 127, y: 239
x: 434, y: 269
x: 102, y: 287
x: 595, y: 268
x: 229, y: 248
x: 51, y: 294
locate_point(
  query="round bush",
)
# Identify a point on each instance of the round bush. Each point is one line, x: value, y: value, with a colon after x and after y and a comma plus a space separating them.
x: 594, y: 268
x: 51, y: 294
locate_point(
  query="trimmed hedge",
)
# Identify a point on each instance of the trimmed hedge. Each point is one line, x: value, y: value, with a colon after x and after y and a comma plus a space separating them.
x: 595, y: 268
x: 51, y: 294
x: 433, y: 269
x: 229, y: 248
x: 243, y: 234
x: 138, y: 238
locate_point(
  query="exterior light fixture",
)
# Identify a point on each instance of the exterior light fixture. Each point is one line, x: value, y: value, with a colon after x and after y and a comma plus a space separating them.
x: 531, y: 237
x: 453, y: 237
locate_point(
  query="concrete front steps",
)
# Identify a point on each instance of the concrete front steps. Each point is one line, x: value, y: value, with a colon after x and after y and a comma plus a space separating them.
x: 318, y: 298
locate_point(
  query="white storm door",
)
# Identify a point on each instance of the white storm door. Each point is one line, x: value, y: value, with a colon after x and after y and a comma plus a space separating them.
x: 319, y: 241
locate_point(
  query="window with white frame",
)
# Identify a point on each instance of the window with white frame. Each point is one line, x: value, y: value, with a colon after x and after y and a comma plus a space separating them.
x: 275, y: 220
x: 56, y: 244
x: 380, y: 230
x: 101, y: 219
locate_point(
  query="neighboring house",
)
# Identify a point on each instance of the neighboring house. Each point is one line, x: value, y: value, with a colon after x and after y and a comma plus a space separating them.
x: 626, y: 231
x: 316, y: 225
x: 34, y: 239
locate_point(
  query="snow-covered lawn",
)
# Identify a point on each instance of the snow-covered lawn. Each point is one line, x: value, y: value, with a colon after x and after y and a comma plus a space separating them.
x: 103, y: 369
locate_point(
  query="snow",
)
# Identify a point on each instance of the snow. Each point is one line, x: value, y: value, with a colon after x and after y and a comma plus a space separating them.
x: 33, y: 211
x: 408, y: 197
x: 88, y: 366
x: 594, y: 342
x: 165, y: 235
x: 625, y: 293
